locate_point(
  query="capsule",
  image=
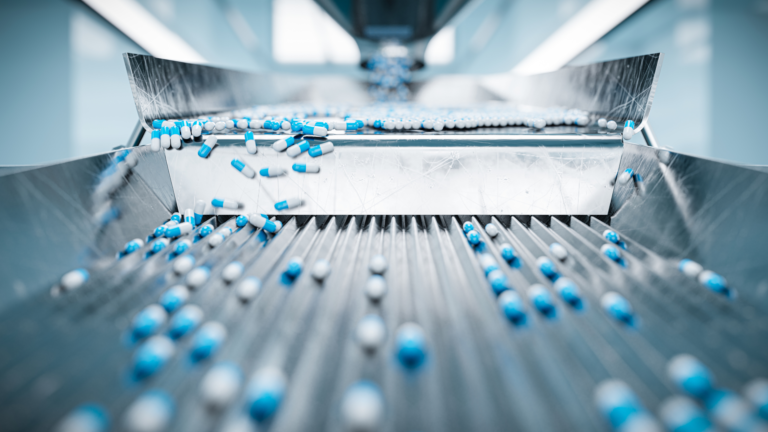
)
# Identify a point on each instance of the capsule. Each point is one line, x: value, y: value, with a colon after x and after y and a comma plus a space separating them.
x: 376, y: 287
x: 626, y: 176
x: 314, y: 130
x: 558, y: 251
x: 547, y: 268
x: 321, y: 149
x: 714, y: 282
x: 283, y: 143
x: 629, y: 130
x: 756, y: 391
x: 220, y: 385
x: 256, y: 124
x: 473, y: 237
x: 411, y: 345
x: 220, y: 125
x: 569, y: 292
x: 541, y: 300
x: 209, y: 125
x: 198, y: 277
x: 157, y: 124
x: 370, y: 332
x: 184, y: 321
x: 152, y: 355
x: 362, y: 407
x: 272, y: 172
x: 467, y: 227
x: 487, y: 263
x: 690, y: 375
x: 498, y: 281
x: 265, y: 393
x: 225, y: 203
x: 611, y: 125
x: 132, y: 246
x: 232, y: 271
x: 216, y: 239
x: 619, y: 405
x: 612, y: 236
x: 260, y: 221
x: 321, y: 269
x: 179, y: 230
x: 508, y: 253
x: 165, y: 137
x: 294, y: 268
x: 175, y: 137
x: 512, y: 306
x: 248, y: 288
x: 611, y: 251
x: 306, y: 168
x: 205, y: 231
x: 183, y: 264
x: 148, y: 321
x: 297, y: 149
x: 85, y: 418
x: 74, y: 279
x: 732, y: 412
x: 198, y: 211
x: 377, y: 264
x: 491, y: 230
x: 197, y: 129
x: 241, y: 220
x: 602, y: 123
x: 208, y: 145
x: 681, y: 414
x: 158, y: 245
x: 185, y: 130
x: 155, y: 142
x: 288, y: 204
x: 207, y: 340
x: 618, y: 307
x: 250, y: 143
x: 150, y: 412
x: 189, y: 216
x: 243, y: 168
x: 174, y: 298
x: 176, y: 217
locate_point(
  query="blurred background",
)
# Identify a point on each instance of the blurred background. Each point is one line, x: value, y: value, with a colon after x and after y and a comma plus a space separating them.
x: 63, y: 66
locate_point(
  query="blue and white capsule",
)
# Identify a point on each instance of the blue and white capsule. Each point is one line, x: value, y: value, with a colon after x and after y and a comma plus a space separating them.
x: 411, y: 345
x: 248, y: 288
x: 165, y: 137
x: 185, y: 321
x: 732, y: 412
x: 241, y: 123
x: 306, y: 168
x: 626, y: 176
x: 181, y: 247
x: 314, y: 130
x: 290, y: 203
x: 362, y: 407
x: 155, y: 142
x: 541, y: 300
x: 473, y: 237
x: 158, y: 245
x: 85, y: 418
x: 148, y: 321
x: 272, y: 172
x: 186, y: 131
x: 225, y: 203
x: 512, y: 306
x: 612, y: 252
x: 487, y: 263
x: 260, y: 221
x: 176, y: 297
x: 178, y: 230
x: 569, y: 292
x: 283, y: 143
x: 241, y: 220
x: 681, y: 414
x: 189, y: 217
x: 205, y: 231
x: 467, y: 227
x: 250, y: 143
x: 319, y: 150
x: 294, y: 268
x: 132, y: 246
x: 629, y: 130
x: 715, y: 282
x: 152, y: 355
x: 618, y: 307
x: 153, y: 411
x: 208, y: 340
x: 243, y: 168
x: 508, y: 253
x: 176, y: 217
x: 547, y: 268
x: 690, y: 375
x: 612, y: 236
x: 183, y: 264
x: 265, y: 393
x: 220, y: 385
x: 491, y: 230
x: 756, y: 392
x: 198, y: 277
x: 256, y: 124
x: 175, y: 137
x: 298, y: 149
x: 197, y: 129
x: 199, y: 211
x: 498, y: 281
x: 232, y: 271
x: 559, y: 251
x: 210, y: 142
x: 621, y: 407
x: 157, y: 124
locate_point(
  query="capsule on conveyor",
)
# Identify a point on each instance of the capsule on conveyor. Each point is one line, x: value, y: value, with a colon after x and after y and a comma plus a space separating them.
x: 209, y: 125
x: 155, y: 141
x: 158, y: 245
x: 148, y: 321
x: 241, y: 123
x: 612, y: 236
x: 241, y: 220
x: 612, y: 252
x: 715, y: 282
x: 174, y: 298
x: 558, y: 251
x: 321, y: 269
x: 498, y: 281
x: 207, y: 340
x: 225, y: 203
x: 283, y: 143
x: 732, y: 412
x: 153, y: 411
x: 306, y: 168
x: 175, y: 138
x: 602, y: 123
x: 681, y: 414
x: 186, y: 131
x: 152, y: 355
x: 376, y: 287
x: 220, y: 125
x: 184, y: 321
x: 618, y: 307
x: 467, y: 227
x: 756, y: 392
x: 541, y: 300
x: 260, y: 221
x: 179, y: 230
x: 473, y: 237
x: 183, y: 264
x: 626, y: 176
x: 569, y: 292
x: 216, y: 239
x: 265, y: 393
x: 319, y: 150
x: 294, y: 268
x: 85, y: 418
x: 487, y: 263
x: 508, y: 254
x: 621, y: 408
x: 74, y: 279
x: 248, y: 288
x: 690, y: 375
x: 377, y: 264
x: 198, y: 211
x: 165, y: 137
x: 288, y: 204
x: 243, y: 168
x: 208, y: 145
x: 491, y: 230
x: 410, y: 345
x: 189, y: 217
x: 198, y: 277
x: 205, y: 231
x: 272, y: 172
x: 232, y: 271
x: 513, y: 307
x: 362, y: 407
x: 132, y: 246
x: 611, y: 125
x: 314, y: 130
x: 157, y: 124
x: 176, y: 217
x: 197, y: 129
x: 547, y: 268
x: 256, y: 124
x: 220, y: 385
x: 370, y: 332
x: 629, y: 130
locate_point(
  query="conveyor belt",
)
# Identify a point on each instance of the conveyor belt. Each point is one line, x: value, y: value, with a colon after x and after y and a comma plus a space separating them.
x: 481, y: 372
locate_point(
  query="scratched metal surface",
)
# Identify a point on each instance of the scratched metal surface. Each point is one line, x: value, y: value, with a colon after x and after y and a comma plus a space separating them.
x: 709, y: 211
x: 476, y: 175
x: 481, y: 373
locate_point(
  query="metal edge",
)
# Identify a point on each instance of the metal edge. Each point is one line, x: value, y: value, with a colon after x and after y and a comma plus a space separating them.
x: 651, y: 96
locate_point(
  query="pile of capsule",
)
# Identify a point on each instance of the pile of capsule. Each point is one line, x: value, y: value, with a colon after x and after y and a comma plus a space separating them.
x: 701, y: 407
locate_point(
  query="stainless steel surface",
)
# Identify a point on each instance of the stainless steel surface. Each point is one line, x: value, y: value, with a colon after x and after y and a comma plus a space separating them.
x: 138, y: 133
x: 52, y: 216
x: 617, y: 90
x: 711, y: 212
x: 426, y: 174
x: 481, y: 373
x: 648, y: 135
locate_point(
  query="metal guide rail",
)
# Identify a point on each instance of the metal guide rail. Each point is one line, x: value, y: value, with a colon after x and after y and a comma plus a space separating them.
x: 480, y: 370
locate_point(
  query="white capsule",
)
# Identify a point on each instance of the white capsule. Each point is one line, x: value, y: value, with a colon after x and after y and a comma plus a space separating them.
x: 491, y: 230
x: 232, y: 271
x: 151, y: 412
x: 378, y: 264
x: 370, y: 332
x: 220, y: 125
x: 376, y: 287
x: 216, y: 239
x: 539, y: 123
x: 558, y: 251
x: 362, y: 407
x: 74, y: 279
x: 242, y: 124
x: 220, y: 385
x: 183, y: 264
x: 438, y: 125
x: 611, y: 125
x: 256, y: 124
x: 602, y: 123
x: 248, y: 288
x: 165, y: 140
x: 692, y: 269
x: 197, y: 129
x: 209, y: 125
x: 321, y: 269
x: 197, y: 277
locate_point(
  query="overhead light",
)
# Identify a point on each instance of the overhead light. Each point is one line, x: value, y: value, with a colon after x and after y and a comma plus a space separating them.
x: 145, y: 30
x: 591, y: 23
